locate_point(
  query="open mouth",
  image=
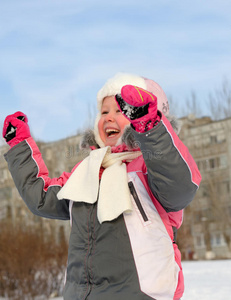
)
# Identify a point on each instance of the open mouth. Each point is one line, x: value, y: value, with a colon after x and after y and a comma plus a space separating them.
x: 111, y: 132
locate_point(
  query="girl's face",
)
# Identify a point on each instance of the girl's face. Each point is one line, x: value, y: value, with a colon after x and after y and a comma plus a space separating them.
x: 112, y: 122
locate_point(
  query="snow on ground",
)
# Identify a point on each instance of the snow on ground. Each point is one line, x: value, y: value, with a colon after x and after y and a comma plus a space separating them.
x: 205, y: 280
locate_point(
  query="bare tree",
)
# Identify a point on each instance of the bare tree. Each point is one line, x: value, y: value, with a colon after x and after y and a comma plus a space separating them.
x: 174, y: 106
x: 219, y: 209
x: 191, y: 105
x: 31, y: 265
x: 219, y: 102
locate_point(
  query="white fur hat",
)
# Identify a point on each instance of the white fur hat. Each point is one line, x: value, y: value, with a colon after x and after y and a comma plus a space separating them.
x: 113, y: 86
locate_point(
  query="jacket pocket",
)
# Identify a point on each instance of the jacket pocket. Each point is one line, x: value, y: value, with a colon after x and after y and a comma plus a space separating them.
x: 137, y: 200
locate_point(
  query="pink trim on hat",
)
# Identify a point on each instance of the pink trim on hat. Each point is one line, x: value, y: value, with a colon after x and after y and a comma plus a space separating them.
x: 162, y: 101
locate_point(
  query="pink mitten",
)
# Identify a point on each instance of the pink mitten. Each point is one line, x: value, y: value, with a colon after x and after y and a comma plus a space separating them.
x: 139, y: 107
x: 15, y: 128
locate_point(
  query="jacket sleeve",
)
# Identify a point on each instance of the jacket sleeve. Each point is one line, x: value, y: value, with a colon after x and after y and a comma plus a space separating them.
x: 31, y: 178
x: 173, y: 175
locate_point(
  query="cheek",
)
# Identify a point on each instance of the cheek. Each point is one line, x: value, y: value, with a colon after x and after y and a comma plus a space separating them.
x: 100, y: 128
x: 123, y: 122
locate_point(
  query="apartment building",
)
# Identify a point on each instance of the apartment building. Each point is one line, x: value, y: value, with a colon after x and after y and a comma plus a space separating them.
x: 207, y: 220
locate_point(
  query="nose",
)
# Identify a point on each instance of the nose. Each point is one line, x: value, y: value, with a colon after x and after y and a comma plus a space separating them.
x: 110, y: 117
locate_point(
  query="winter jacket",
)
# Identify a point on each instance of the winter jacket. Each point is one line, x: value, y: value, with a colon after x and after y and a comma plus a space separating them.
x: 133, y: 257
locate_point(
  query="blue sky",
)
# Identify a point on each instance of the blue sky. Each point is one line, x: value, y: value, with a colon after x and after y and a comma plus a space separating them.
x: 56, y: 54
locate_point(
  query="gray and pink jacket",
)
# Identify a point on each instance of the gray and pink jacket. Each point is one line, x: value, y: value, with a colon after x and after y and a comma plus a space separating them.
x: 135, y: 256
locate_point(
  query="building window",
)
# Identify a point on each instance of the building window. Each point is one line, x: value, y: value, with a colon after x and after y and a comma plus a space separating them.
x: 212, y: 163
x: 213, y: 139
x: 223, y: 161
x: 221, y: 138
x: 217, y: 239
x: 225, y: 188
x: 199, y: 239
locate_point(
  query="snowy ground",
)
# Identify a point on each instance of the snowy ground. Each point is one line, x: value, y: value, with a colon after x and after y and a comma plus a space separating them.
x: 205, y: 280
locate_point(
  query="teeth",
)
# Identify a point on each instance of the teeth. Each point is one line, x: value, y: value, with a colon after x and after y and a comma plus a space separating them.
x: 111, y: 130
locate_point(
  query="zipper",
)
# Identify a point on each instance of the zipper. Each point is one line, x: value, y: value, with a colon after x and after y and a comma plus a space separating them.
x: 89, y: 253
x: 137, y: 200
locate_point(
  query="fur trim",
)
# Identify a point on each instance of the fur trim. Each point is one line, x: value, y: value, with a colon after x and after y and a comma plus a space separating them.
x: 89, y: 138
x: 96, y: 132
x: 129, y: 140
x: 113, y: 86
x: 175, y: 122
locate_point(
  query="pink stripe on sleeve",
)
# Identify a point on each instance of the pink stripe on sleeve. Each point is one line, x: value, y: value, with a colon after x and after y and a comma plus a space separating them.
x: 42, y: 169
x: 183, y: 151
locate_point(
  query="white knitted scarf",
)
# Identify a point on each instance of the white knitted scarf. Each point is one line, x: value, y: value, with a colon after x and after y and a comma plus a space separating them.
x: 112, y: 193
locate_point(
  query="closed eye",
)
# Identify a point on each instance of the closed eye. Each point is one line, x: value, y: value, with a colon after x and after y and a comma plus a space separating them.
x: 104, y: 112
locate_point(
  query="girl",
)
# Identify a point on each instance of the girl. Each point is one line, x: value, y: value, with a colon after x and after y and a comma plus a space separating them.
x: 124, y: 201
